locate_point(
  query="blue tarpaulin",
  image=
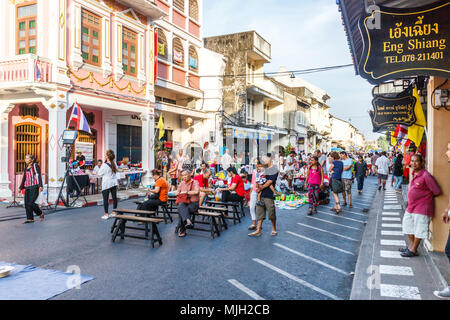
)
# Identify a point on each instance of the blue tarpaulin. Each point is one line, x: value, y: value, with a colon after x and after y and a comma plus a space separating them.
x: 31, y: 283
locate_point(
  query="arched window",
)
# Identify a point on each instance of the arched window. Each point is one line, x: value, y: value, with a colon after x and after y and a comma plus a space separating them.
x: 28, y: 141
x: 162, y: 44
x: 178, y: 52
x: 193, y: 9
x: 193, y: 59
x: 179, y: 4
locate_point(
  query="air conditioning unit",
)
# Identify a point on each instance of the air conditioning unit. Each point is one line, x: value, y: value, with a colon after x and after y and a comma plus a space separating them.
x: 212, y: 137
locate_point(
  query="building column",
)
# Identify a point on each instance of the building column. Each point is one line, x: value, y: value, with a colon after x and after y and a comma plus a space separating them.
x: 57, y: 118
x: 5, y: 190
x: 148, y: 146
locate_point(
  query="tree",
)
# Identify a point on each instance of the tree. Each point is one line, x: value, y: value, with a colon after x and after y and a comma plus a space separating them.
x: 383, y: 144
x: 288, y: 149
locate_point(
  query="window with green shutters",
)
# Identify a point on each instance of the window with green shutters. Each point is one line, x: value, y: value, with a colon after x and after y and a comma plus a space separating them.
x: 129, y: 52
x: 90, y: 38
x: 26, y: 29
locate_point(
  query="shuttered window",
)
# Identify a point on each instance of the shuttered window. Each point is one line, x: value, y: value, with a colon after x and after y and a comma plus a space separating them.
x: 129, y: 51
x: 193, y: 59
x: 178, y: 52
x: 193, y: 9
x: 179, y: 4
x: 26, y: 29
x: 91, y: 38
x: 162, y: 44
x: 28, y: 141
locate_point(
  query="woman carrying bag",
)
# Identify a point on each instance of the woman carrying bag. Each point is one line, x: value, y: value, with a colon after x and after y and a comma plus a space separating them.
x: 337, y: 187
x: 32, y: 183
x: 108, y: 172
x: 187, y: 201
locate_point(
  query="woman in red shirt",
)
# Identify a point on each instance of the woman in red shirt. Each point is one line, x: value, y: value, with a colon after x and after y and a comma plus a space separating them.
x: 235, y: 191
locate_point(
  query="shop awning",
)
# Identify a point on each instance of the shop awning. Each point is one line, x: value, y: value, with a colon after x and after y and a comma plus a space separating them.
x: 248, y: 133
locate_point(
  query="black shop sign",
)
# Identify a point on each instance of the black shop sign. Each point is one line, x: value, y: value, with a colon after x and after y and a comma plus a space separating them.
x: 390, y: 111
x: 405, y: 42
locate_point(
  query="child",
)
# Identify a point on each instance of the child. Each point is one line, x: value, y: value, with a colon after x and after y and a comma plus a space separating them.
x: 283, y: 184
x: 261, y: 180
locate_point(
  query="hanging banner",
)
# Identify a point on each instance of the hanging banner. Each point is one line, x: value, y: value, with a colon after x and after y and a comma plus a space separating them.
x: 408, y: 42
x: 393, y: 111
x: 87, y: 150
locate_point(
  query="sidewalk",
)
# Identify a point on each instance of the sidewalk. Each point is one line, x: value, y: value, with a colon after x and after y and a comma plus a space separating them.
x: 381, y: 272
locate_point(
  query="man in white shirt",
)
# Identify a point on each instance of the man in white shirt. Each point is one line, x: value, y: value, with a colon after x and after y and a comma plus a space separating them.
x: 382, y: 165
x: 226, y: 160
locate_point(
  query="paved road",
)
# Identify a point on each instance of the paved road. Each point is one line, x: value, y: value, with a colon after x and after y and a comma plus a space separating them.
x: 311, y: 258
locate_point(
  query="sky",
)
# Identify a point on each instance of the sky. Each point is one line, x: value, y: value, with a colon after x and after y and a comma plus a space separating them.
x: 304, y: 34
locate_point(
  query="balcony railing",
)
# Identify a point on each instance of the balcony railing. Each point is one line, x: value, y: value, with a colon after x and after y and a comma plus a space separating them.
x: 262, y: 46
x: 25, y: 68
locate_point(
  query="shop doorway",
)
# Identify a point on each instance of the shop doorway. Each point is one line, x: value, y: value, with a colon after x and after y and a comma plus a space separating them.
x: 27, y: 141
x: 129, y: 143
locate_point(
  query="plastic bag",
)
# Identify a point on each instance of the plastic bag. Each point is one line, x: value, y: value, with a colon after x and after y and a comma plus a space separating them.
x: 41, y: 200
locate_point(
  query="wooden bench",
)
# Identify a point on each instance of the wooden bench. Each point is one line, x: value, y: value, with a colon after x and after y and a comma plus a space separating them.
x: 222, y: 211
x: 214, y: 222
x: 119, y: 229
x: 234, y: 209
x: 119, y: 212
x: 163, y: 209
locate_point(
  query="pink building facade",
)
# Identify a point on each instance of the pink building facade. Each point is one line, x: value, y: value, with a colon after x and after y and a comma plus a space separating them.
x: 54, y: 53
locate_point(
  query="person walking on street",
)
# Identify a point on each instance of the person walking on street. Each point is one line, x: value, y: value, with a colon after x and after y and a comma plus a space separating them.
x: 254, y: 193
x: 314, y: 182
x: 322, y: 161
x: 337, y: 187
x: 382, y: 165
x: 267, y: 198
x: 423, y: 188
x: 108, y: 172
x: 347, y: 178
x: 446, y: 292
x: 398, y: 172
x: 373, y: 160
x: 361, y: 172
x: 32, y: 184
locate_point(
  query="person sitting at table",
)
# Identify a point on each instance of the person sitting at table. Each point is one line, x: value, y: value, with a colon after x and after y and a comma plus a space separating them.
x: 93, y: 181
x: 124, y: 163
x: 235, y: 191
x: 203, y: 182
x: 81, y: 159
x: 158, y: 195
x: 75, y: 168
x: 187, y: 201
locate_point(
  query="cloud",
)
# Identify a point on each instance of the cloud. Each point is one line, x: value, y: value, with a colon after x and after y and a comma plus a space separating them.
x: 303, y: 34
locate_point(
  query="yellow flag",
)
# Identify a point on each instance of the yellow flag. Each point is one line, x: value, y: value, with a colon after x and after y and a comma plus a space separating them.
x: 161, y: 127
x: 416, y: 131
x: 393, y: 139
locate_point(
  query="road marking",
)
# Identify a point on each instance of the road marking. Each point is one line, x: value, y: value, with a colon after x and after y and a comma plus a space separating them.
x: 402, y: 292
x: 391, y: 225
x: 390, y: 214
x: 388, y: 242
x: 348, y: 211
x: 243, y: 288
x: 298, y: 280
x: 312, y: 259
x: 396, y: 270
x: 391, y: 233
x: 391, y: 254
x: 338, y: 216
x: 326, y: 231
x: 338, y: 224
x: 318, y: 242
x: 391, y: 219
x: 392, y: 207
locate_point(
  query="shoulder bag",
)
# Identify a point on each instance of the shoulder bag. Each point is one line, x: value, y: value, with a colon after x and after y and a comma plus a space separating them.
x: 184, y: 198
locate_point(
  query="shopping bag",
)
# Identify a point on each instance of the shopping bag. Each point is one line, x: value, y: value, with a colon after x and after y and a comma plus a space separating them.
x: 41, y: 200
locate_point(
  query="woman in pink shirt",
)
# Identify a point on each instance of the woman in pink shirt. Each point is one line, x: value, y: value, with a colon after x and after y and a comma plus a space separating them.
x: 313, y: 182
x: 191, y: 189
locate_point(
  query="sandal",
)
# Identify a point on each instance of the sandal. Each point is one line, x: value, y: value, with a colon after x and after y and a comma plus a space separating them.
x: 350, y: 206
x: 344, y: 204
x: 28, y: 221
x: 315, y: 210
x: 41, y: 217
x: 310, y: 211
x: 254, y: 234
x: 403, y: 250
x: 333, y: 209
x: 252, y: 227
x: 182, y: 235
x: 408, y: 254
x: 274, y: 233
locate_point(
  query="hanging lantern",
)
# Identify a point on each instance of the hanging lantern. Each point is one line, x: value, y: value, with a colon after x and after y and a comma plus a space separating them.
x: 189, y: 121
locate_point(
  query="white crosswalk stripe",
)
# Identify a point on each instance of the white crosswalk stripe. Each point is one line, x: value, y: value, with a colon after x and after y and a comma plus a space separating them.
x: 402, y: 292
x: 337, y: 224
x: 389, y: 242
x: 392, y: 207
x: 391, y: 219
x: 338, y: 216
x: 243, y: 288
x: 321, y: 243
x: 390, y: 214
x: 391, y: 225
x: 391, y: 254
x: 391, y: 233
x: 326, y: 231
x: 396, y: 270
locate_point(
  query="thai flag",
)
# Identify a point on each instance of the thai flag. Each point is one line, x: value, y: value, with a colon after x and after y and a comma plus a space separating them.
x: 78, y: 115
x: 401, y: 133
